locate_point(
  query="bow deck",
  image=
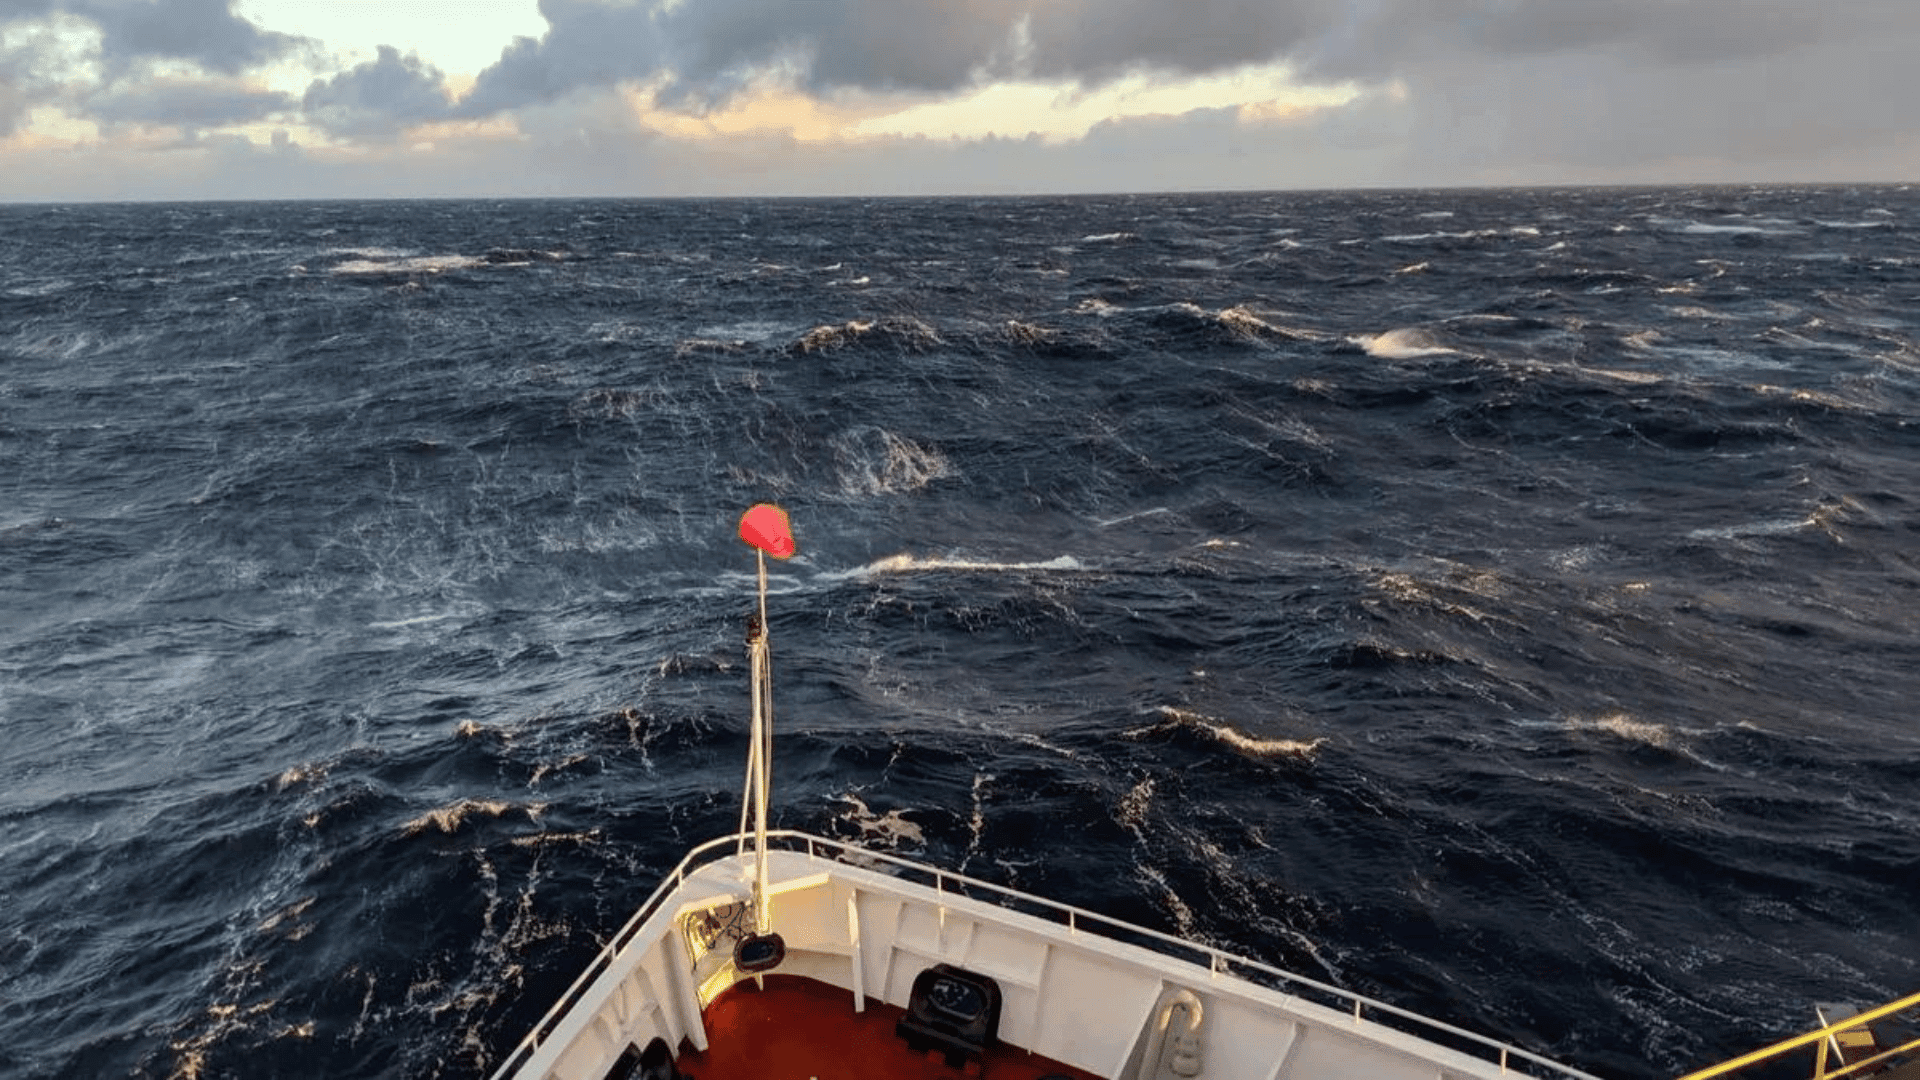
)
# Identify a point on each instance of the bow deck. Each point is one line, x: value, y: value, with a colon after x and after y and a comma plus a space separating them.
x: 796, y: 1027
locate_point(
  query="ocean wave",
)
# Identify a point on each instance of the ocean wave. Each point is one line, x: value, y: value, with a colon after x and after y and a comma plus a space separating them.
x: 451, y: 818
x: 348, y: 619
x: 900, y: 332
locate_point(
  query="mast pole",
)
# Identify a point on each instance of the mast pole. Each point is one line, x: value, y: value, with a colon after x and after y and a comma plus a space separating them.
x: 762, y: 733
x: 766, y: 527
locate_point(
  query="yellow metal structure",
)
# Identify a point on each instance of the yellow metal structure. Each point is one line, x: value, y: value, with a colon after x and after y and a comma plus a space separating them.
x: 1844, y: 1033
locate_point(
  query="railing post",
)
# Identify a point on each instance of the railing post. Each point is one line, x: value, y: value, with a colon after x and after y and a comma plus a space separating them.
x: 1356, y: 1012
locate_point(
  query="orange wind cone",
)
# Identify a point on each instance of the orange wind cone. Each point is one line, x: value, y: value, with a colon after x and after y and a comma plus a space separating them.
x: 766, y: 527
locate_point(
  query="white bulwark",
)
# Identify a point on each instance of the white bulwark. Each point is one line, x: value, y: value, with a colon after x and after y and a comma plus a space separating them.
x: 1115, y: 1000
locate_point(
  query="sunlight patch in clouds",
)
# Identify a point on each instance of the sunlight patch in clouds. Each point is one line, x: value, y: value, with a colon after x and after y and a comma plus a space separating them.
x: 50, y: 127
x: 1055, y: 112
x: 770, y: 107
x: 460, y: 37
x: 1063, y: 111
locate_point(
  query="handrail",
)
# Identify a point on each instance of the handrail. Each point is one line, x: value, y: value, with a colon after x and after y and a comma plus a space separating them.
x: 1880, y: 1058
x: 526, y: 1047
x: 1218, y: 960
x: 1075, y: 918
x: 1786, y: 1045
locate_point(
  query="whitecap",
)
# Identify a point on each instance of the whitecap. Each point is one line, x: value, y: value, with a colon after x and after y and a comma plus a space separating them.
x: 1623, y: 726
x: 754, y: 330
x: 1228, y: 736
x: 875, y: 461
x: 369, y: 252
x: 1122, y: 519
x: 1405, y: 343
x: 420, y: 264
x: 890, y: 828
x: 448, y: 819
x: 906, y: 564
x: 1773, y: 527
x: 1108, y: 238
x: 417, y: 620
x: 44, y: 287
x: 1689, y: 227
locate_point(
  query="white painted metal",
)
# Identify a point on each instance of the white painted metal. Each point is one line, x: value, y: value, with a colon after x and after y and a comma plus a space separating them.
x: 869, y: 923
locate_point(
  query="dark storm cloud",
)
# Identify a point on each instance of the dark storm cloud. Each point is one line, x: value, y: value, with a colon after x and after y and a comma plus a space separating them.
x: 378, y: 98
x: 587, y: 44
x: 712, y: 46
x: 1820, y: 109
x: 1375, y: 38
x: 192, y: 104
x: 936, y: 45
x: 11, y: 10
x: 1100, y: 39
x: 875, y: 44
x: 206, y: 32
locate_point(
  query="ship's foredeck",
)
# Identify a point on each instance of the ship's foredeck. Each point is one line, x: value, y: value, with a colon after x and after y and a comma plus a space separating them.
x: 806, y: 1030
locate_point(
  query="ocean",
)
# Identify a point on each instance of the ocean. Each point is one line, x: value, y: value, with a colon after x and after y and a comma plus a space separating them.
x: 1499, y: 603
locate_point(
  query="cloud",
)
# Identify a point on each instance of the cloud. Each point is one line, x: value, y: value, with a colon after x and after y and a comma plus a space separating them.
x: 704, y: 51
x: 14, y: 10
x: 1664, y: 96
x: 1098, y: 40
x: 906, y: 96
x: 587, y: 44
x: 205, y: 32
x: 699, y: 54
x: 90, y: 56
x: 190, y: 103
x: 20, y: 87
x: 1380, y: 38
x: 374, y: 101
x: 37, y: 62
x: 914, y: 45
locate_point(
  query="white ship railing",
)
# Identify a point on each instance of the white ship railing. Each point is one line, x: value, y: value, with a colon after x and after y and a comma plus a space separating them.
x: 1076, y: 920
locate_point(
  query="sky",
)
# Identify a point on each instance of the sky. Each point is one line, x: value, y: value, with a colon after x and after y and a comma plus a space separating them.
x: 244, y: 99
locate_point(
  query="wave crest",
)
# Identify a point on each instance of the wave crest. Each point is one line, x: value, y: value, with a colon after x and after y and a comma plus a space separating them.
x: 875, y: 461
x: 1175, y: 719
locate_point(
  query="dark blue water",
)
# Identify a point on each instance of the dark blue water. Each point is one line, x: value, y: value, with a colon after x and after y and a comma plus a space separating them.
x: 1502, y: 604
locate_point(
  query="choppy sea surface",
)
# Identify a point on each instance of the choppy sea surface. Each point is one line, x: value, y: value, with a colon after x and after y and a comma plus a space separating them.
x: 1502, y: 604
